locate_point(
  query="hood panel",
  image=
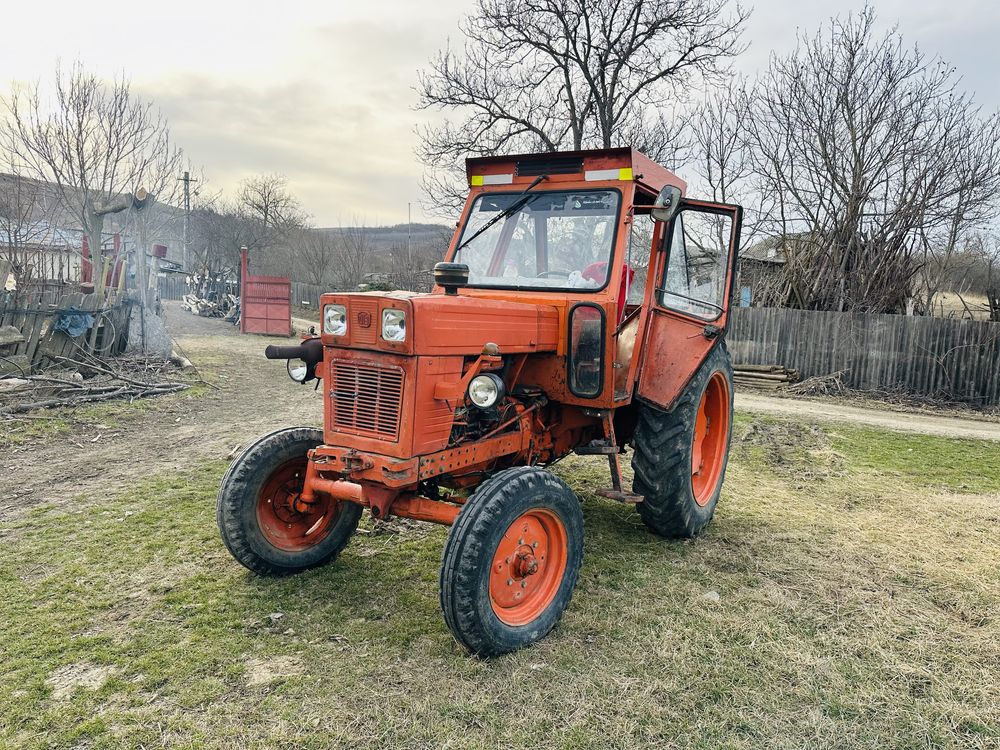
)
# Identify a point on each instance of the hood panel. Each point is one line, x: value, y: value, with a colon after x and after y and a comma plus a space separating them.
x: 440, y: 324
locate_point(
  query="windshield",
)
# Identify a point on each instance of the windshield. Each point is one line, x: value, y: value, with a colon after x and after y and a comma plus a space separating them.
x: 559, y: 239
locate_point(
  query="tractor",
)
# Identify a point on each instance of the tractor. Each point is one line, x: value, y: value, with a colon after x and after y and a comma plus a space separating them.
x: 581, y: 308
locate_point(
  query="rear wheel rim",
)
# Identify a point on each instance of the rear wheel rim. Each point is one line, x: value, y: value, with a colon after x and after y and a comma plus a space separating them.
x: 284, y: 526
x: 708, y: 446
x: 528, y: 567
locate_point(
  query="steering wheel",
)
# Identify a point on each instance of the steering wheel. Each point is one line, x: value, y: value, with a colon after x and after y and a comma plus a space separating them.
x: 547, y: 274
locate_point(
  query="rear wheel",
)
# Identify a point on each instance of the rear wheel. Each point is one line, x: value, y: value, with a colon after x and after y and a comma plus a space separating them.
x: 681, y: 455
x: 256, y: 511
x: 511, y: 561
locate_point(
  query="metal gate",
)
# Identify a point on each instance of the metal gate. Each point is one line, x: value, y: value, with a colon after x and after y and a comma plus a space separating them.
x: 265, y: 302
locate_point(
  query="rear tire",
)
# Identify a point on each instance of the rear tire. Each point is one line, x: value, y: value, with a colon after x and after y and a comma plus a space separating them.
x: 680, y: 456
x: 259, y: 525
x: 511, y: 561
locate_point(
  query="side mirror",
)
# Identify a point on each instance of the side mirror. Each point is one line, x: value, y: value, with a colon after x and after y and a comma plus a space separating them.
x: 666, y: 204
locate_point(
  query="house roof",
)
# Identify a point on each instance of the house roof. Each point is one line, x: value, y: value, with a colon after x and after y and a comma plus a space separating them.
x: 776, y: 249
x: 44, y: 234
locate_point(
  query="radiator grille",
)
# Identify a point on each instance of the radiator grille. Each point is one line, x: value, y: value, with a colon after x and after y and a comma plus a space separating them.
x: 363, y: 324
x: 366, y: 399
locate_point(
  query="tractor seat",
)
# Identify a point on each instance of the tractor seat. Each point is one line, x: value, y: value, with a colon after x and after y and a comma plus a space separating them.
x: 598, y: 273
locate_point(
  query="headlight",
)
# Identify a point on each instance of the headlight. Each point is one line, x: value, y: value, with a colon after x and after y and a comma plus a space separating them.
x: 394, y: 325
x: 299, y: 372
x: 486, y: 390
x: 335, y: 320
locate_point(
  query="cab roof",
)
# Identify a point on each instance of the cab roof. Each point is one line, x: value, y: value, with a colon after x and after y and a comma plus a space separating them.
x: 593, y: 165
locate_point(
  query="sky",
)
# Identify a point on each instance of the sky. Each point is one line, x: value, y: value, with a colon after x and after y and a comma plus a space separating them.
x: 323, y: 92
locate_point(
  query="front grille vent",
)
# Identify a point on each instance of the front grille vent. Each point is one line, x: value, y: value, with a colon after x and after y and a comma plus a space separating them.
x: 366, y: 399
x: 552, y: 165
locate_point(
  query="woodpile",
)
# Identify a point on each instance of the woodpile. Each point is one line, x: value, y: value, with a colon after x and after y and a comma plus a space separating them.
x: 209, y: 308
x: 771, y: 377
x: 85, y: 378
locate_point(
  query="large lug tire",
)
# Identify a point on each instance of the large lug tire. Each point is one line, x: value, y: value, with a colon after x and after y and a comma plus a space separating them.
x: 511, y: 561
x: 256, y: 515
x: 680, y: 456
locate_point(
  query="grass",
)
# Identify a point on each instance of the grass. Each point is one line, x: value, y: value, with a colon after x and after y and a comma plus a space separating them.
x: 857, y: 577
x: 48, y: 424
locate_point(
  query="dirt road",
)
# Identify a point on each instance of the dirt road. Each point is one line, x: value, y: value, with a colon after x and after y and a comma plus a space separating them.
x: 824, y: 411
x: 249, y: 397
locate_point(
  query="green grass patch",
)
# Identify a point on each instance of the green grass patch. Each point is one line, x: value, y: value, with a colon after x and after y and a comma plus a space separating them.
x: 857, y: 607
x: 922, y: 460
x: 47, y: 424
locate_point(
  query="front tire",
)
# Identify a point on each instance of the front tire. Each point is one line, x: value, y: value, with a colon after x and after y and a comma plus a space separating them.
x: 511, y: 561
x: 681, y: 455
x: 256, y: 515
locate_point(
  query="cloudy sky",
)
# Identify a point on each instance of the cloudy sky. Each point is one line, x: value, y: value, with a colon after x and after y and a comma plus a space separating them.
x: 323, y: 92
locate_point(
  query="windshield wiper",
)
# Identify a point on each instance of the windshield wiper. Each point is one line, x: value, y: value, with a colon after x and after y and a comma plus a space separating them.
x: 513, y: 208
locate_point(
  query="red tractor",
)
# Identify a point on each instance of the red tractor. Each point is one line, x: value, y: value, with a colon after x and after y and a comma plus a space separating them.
x: 581, y: 308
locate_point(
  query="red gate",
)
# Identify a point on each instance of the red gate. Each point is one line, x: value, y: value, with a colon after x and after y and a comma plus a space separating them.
x: 265, y: 302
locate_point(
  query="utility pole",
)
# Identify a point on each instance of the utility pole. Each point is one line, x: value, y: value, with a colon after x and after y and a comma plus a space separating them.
x: 409, y: 226
x: 187, y: 180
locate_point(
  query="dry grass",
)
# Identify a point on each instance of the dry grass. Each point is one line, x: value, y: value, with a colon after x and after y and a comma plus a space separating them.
x: 856, y: 573
x: 950, y: 305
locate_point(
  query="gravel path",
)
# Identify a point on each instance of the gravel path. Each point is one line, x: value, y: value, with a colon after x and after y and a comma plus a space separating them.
x: 829, y: 411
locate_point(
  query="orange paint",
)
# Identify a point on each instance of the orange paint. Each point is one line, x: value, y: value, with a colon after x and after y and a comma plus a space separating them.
x: 528, y: 567
x: 396, y: 412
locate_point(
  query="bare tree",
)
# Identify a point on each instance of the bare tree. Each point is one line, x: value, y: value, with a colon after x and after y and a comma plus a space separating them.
x: 267, y: 200
x: 319, y: 252
x: 570, y: 74
x: 985, y: 248
x: 355, y: 256
x: 869, y: 153
x: 96, y: 144
x: 25, y: 232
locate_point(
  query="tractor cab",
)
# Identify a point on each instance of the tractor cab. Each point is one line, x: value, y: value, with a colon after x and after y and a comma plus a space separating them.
x: 607, y: 239
x: 581, y: 307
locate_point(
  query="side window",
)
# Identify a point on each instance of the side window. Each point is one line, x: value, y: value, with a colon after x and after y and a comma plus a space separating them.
x: 695, y: 279
x: 640, y: 242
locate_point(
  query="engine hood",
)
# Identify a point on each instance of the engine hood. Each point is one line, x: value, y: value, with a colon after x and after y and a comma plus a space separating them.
x: 438, y: 324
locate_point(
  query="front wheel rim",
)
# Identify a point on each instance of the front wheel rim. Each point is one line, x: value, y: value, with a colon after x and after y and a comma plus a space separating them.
x: 282, y: 525
x: 528, y: 567
x: 708, y: 446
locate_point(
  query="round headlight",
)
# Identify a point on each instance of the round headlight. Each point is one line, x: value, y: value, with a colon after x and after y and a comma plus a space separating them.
x: 394, y: 325
x: 486, y: 390
x: 335, y: 319
x: 298, y: 371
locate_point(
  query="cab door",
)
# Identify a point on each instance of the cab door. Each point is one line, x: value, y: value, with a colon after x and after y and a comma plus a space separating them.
x: 690, y: 303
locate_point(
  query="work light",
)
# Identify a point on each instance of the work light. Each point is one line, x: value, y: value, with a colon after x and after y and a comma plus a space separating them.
x: 486, y: 390
x: 394, y: 325
x: 335, y: 319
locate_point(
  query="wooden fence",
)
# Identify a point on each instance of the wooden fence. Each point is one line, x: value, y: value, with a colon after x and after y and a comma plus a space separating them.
x: 172, y: 287
x: 924, y: 356
x: 28, y: 335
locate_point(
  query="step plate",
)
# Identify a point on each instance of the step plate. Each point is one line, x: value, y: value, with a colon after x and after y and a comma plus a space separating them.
x: 621, y: 497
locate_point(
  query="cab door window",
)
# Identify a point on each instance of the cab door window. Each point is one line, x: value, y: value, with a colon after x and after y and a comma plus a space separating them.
x: 698, y: 264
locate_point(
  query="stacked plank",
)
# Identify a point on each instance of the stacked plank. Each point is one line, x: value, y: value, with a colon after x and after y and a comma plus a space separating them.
x: 764, y: 376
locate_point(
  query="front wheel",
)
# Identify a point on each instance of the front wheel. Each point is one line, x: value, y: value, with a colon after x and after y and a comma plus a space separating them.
x: 256, y: 511
x: 681, y: 455
x: 511, y: 561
